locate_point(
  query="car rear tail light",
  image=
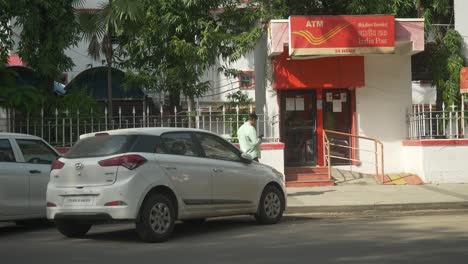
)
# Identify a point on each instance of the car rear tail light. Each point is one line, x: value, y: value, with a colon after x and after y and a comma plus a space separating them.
x: 128, y: 161
x: 57, y: 165
x: 115, y: 203
x: 51, y: 204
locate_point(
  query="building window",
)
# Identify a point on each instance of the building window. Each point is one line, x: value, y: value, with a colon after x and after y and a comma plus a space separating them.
x: 246, y: 79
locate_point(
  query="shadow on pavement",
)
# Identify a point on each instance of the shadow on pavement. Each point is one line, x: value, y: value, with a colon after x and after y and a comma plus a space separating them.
x: 7, y: 228
x: 308, y: 193
x: 186, y: 231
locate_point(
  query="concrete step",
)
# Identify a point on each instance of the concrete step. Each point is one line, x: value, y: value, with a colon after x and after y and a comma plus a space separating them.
x: 307, y: 177
x: 309, y: 183
x: 304, y: 170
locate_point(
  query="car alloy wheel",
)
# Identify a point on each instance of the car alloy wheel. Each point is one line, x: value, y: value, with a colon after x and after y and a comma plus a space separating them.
x: 271, y: 206
x: 157, y: 219
x: 160, y: 218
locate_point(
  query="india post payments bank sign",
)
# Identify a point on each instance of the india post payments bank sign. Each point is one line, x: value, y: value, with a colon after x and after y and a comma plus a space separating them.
x: 341, y: 35
x: 464, y: 80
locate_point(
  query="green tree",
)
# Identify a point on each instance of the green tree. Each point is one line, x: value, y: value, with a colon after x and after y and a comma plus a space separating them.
x: 101, y: 27
x: 48, y: 28
x: 178, y: 41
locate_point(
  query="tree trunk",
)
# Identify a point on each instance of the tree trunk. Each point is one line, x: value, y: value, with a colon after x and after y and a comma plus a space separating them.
x: 109, y: 89
x: 109, y: 55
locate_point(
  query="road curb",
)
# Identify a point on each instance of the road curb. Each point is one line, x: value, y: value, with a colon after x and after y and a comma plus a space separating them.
x: 376, y: 207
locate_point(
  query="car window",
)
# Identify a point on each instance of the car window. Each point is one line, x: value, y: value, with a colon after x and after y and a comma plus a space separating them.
x: 35, y: 151
x: 177, y: 144
x: 100, y: 146
x: 217, y: 148
x: 6, y: 151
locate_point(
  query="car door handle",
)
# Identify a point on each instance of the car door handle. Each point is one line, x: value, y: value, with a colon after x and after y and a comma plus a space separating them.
x: 170, y: 168
x: 34, y: 171
x: 218, y: 170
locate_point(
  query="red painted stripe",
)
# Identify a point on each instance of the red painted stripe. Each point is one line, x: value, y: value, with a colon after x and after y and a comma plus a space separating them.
x: 435, y: 142
x: 269, y: 146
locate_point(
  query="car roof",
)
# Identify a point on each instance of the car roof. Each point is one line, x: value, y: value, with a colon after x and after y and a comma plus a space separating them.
x: 155, y: 131
x: 17, y: 135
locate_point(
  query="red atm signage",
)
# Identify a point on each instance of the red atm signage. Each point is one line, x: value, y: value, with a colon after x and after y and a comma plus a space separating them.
x: 464, y: 80
x: 341, y: 35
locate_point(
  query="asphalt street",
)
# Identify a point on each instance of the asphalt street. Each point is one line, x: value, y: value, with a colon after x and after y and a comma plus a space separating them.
x: 433, y: 238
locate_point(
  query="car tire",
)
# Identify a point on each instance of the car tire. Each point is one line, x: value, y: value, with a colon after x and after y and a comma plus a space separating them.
x: 157, y: 219
x: 197, y: 221
x: 271, y: 206
x: 72, y: 229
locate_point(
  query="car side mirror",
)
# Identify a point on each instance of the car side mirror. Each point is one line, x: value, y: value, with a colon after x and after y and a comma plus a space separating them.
x: 246, y: 158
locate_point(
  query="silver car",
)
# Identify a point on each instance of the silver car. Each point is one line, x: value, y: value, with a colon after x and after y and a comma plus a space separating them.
x: 155, y: 176
x: 25, y: 163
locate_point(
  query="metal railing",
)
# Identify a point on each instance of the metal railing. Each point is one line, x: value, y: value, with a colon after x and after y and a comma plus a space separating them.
x: 425, y: 122
x: 64, y: 128
x: 332, y: 147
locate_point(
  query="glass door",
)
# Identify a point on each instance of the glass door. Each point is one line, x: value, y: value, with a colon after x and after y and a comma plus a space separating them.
x: 337, y: 117
x: 299, y: 114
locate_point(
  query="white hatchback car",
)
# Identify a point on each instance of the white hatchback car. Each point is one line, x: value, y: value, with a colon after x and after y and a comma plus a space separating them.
x: 154, y: 176
x: 25, y: 163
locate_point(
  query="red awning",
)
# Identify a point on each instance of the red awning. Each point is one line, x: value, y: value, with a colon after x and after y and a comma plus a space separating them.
x: 15, y: 60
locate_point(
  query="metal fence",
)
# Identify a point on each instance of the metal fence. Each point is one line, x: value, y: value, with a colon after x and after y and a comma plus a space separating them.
x: 425, y: 122
x: 64, y: 128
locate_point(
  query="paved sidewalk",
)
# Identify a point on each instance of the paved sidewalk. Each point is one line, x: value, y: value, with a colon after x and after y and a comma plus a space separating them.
x: 354, y: 198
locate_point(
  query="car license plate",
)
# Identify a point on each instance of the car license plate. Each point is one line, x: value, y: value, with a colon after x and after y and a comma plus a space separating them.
x: 79, y: 201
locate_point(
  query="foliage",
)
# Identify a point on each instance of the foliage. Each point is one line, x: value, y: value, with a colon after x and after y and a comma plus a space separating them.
x: 238, y: 99
x: 446, y: 63
x: 99, y: 28
x: 177, y: 41
x: 241, y: 100
x: 78, y: 100
x: 48, y: 28
x: 24, y: 97
x: 286, y: 8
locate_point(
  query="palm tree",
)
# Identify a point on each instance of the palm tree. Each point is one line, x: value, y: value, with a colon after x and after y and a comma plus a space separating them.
x: 100, y: 26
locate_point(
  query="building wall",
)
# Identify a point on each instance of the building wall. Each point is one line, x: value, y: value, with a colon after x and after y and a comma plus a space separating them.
x: 423, y: 93
x: 461, y: 22
x: 381, y: 109
x: 438, y: 163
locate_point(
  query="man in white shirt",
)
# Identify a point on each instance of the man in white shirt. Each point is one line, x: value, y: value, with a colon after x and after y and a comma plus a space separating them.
x: 248, y: 139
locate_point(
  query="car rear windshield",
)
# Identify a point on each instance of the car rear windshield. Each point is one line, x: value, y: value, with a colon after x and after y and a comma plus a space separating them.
x: 100, y: 146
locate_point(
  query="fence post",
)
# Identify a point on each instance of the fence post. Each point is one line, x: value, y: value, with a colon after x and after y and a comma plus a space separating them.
x: 63, y: 127
x: 224, y: 120
x: 134, y: 117
x: 148, y: 122
x: 264, y: 119
x: 456, y: 125
x: 237, y: 117
x: 197, y: 117
x: 56, y: 126
x: 443, y: 120
x: 78, y: 123
x: 161, y: 113
x: 105, y: 117
x: 430, y: 121
x: 92, y: 120
x: 27, y: 123
x: 71, y: 128
x: 42, y: 122
x: 175, y: 115
x: 120, y: 116
x: 189, y: 114
x: 209, y: 109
